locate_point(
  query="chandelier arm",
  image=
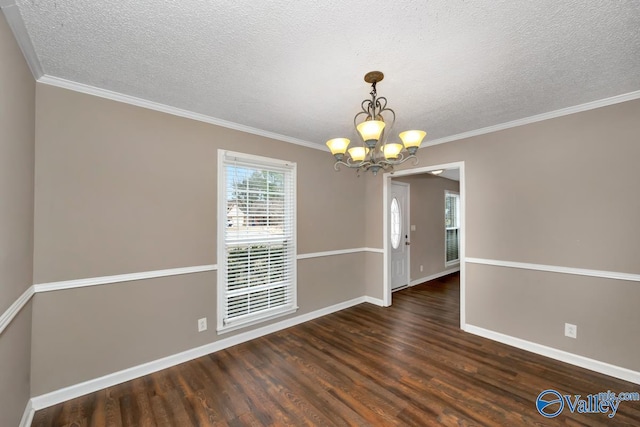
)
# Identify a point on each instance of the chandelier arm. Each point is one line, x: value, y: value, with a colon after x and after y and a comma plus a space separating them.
x: 364, y: 163
x: 366, y: 106
x: 401, y: 159
x: 383, y: 108
x: 355, y: 119
x: 349, y: 164
x: 381, y: 103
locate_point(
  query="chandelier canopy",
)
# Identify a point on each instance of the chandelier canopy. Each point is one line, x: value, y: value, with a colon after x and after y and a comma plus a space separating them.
x: 375, y: 152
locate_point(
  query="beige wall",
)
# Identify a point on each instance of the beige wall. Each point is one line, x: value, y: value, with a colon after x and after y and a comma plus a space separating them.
x: 560, y: 192
x: 534, y: 305
x: 121, y: 189
x: 427, y: 214
x: 17, y: 99
x: 15, y: 354
x: 85, y: 333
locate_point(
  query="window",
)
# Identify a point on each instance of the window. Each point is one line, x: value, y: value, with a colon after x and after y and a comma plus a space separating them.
x: 452, y: 227
x: 396, y: 223
x: 256, y: 239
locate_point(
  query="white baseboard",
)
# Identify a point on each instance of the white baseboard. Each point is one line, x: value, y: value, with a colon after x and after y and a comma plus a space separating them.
x: 77, y: 390
x: 374, y: 301
x: 563, y: 356
x: 434, y: 276
x: 27, y: 417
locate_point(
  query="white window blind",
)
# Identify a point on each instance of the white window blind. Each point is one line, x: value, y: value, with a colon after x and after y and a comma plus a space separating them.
x: 257, y: 269
x: 452, y: 227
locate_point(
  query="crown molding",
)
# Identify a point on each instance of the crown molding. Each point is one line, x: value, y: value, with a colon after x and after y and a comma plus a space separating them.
x: 538, y: 118
x: 139, y: 102
x: 16, y: 23
x: 119, y: 97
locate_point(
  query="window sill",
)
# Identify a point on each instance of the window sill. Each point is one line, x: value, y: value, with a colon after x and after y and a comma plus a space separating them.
x: 239, y: 325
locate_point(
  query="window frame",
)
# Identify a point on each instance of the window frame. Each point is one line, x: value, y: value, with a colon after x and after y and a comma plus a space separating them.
x: 225, y: 157
x: 449, y: 193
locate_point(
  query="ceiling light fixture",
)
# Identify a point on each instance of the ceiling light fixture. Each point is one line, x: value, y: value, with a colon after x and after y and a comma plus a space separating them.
x: 437, y: 172
x: 375, y: 153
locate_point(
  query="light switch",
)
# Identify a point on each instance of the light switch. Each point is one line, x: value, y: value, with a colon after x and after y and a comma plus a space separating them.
x: 413, y: 228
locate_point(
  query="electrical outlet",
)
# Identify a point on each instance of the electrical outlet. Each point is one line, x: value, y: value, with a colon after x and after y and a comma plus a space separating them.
x: 570, y: 330
x: 421, y: 268
x: 202, y: 324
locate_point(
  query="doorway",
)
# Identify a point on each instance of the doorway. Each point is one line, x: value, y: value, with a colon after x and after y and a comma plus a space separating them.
x: 390, y: 262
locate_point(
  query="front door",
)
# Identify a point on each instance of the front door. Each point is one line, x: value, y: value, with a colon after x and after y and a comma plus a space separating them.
x: 399, y: 234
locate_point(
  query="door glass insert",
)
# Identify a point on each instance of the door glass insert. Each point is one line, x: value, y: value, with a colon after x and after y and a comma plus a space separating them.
x: 396, y: 223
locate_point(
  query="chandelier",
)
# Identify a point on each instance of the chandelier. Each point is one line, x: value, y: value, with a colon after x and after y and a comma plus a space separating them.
x: 375, y: 153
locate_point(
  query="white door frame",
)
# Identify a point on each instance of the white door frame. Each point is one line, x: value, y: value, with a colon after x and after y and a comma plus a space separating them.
x: 406, y: 222
x: 386, y: 178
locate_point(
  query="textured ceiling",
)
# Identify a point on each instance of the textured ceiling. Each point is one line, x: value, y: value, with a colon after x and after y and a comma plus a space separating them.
x: 296, y: 67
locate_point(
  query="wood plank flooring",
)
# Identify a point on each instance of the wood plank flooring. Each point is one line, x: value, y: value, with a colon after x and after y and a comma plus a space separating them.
x: 405, y: 365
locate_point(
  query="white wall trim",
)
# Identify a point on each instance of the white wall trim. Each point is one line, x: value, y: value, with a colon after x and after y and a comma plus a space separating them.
x: 16, y: 23
x: 17, y: 305
x: 434, y: 276
x: 374, y: 250
x: 538, y: 118
x: 95, y: 281
x: 374, y: 301
x: 27, y: 416
x: 561, y: 355
x: 15, y: 308
x: 557, y: 269
x: 337, y: 252
x: 77, y: 390
x: 140, y: 102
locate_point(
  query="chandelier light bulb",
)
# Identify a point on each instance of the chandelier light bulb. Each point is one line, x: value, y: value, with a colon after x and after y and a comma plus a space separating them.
x: 392, y: 151
x: 370, y: 131
x: 412, y: 139
x: 338, y: 146
x: 358, y: 153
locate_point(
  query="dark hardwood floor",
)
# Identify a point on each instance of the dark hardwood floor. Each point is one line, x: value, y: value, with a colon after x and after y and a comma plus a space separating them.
x: 406, y: 365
